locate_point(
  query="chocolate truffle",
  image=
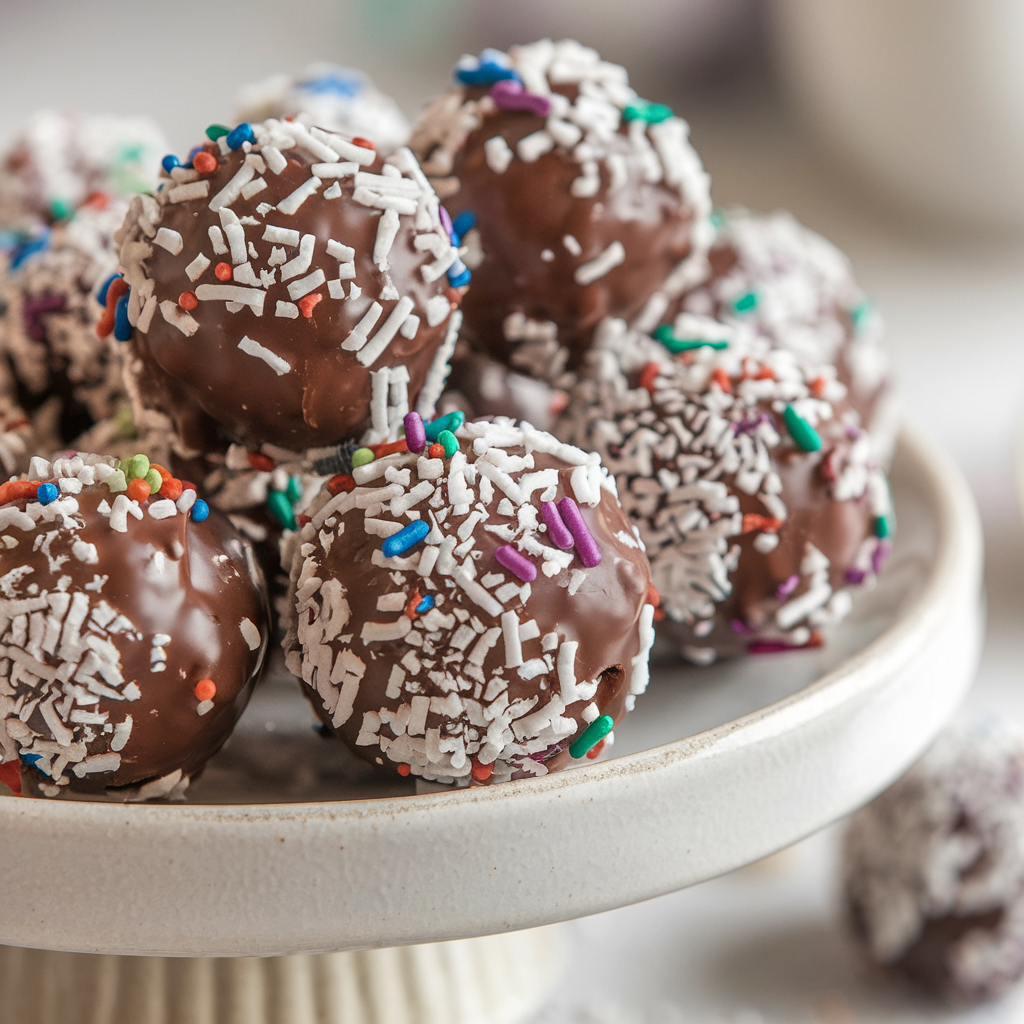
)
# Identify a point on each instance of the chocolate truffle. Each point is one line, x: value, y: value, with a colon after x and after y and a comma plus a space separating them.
x: 134, y: 628
x: 933, y: 870
x: 752, y: 487
x: 51, y: 331
x: 575, y: 199
x: 337, y: 98
x: 473, y: 610
x: 289, y: 287
x: 771, y: 275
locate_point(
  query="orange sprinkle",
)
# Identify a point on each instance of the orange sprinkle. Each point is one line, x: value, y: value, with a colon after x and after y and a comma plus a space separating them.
x: 653, y: 597
x: 765, y: 373
x: 171, y: 489
x: 559, y: 402
x: 260, y: 462
x: 435, y: 451
x: 595, y: 752
x: 138, y: 490
x: 818, y: 386
x: 117, y: 288
x: 403, y: 770
x: 97, y: 201
x: 12, y: 490
x: 308, y: 303
x: 659, y: 614
x: 205, y: 689
x: 223, y: 271
x: 342, y: 482
x: 482, y: 772
x: 380, y: 450
x: 204, y: 162
x: 816, y: 640
x: 648, y: 375
x: 187, y: 485
x: 755, y: 521
x: 165, y: 474
x: 365, y: 143
x: 410, y: 606
x: 188, y: 300
x: 721, y: 378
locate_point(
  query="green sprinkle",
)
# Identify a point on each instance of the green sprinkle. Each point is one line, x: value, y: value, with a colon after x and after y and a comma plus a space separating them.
x: 801, y: 431
x: 362, y: 457
x: 281, y: 509
x: 652, y: 113
x: 138, y: 467
x: 124, y: 422
x: 859, y: 315
x: 116, y: 481
x: 215, y: 131
x: 155, y: 481
x: 294, y: 489
x: 591, y: 736
x: 61, y: 209
x: 449, y: 442
x: 675, y: 345
x: 452, y: 421
x: 883, y: 527
x: 745, y: 303
x: 718, y: 219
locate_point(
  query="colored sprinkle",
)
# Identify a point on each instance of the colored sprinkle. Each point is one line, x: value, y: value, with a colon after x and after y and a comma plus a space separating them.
x: 415, y: 434
x: 412, y: 604
x: 204, y: 162
x: 358, y: 140
x: 192, y: 154
x: 47, y: 493
x: 27, y: 249
x: 12, y: 490
x: 380, y: 450
x: 169, y: 162
x: 880, y: 555
x: 200, y: 510
x: 452, y: 421
x: 482, y: 772
x: 883, y: 527
x: 485, y: 70
x: 137, y: 466
x: 720, y: 376
x: 116, y: 482
x: 241, y: 134
x: 508, y: 94
x: 403, y: 770
x: 745, y: 303
x: 280, y: 508
x: 260, y: 462
x: 362, y: 457
x: 10, y: 776
x: 458, y: 274
x: 449, y: 443
x: 342, y: 482
x: 425, y: 605
x: 308, y: 303
x: 667, y: 337
x: 595, y: 752
x: 188, y: 300
x: 406, y: 538
x: 222, y: 271
x: 216, y: 131
x: 652, y: 113
x: 717, y: 219
x: 859, y: 314
x: 464, y: 222
x: 122, y: 325
x: 787, y: 587
x: 205, y: 689
x: 586, y: 547
x: 591, y: 736
x: 755, y: 521
x: 516, y: 563
x: 435, y: 451
x: 446, y: 221
x: 653, y: 597
x: 294, y: 489
x: 805, y: 436
x: 138, y: 490
x: 648, y: 375
x: 154, y: 481
x: 557, y: 532
x: 101, y: 295
x: 171, y: 489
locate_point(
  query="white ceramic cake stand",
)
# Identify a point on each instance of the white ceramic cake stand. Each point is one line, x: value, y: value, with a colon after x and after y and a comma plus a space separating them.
x: 288, y: 848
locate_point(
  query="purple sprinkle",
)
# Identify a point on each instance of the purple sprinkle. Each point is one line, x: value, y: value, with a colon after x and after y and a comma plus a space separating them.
x: 557, y: 532
x: 739, y: 626
x: 516, y: 563
x: 749, y: 424
x: 586, y: 547
x: 415, y: 434
x: 880, y: 555
x: 855, y: 577
x: 510, y: 95
x: 787, y: 588
x: 768, y: 647
x: 446, y: 221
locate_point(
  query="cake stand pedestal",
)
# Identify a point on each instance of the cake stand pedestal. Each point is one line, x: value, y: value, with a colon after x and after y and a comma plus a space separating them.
x: 288, y: 852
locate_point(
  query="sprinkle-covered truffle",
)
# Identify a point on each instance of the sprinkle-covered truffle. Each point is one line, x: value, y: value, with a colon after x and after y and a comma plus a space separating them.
x: 445, y: 630
x: 133, y: 625
x: 296, y: 266
x: 573, y: 199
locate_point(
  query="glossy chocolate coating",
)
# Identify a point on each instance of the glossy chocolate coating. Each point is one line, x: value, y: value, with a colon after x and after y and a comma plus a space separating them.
x: 214, y: 391
x: 194, y: 582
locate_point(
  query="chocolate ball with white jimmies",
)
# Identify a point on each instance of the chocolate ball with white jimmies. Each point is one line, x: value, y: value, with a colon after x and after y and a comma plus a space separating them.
x: 288, y: 286
x: 133, y: 627
x: 573, y: 198
x: 476, y: 608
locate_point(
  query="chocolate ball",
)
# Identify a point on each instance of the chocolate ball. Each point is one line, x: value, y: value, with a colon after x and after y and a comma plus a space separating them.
x: 134, y: 628
x: 337, y: 98
x: 787, y: 284
x: 933, y: 869
x: 289, y: 288
x: 751, y: 486
x: 475, y: 612
x: 576, y: 199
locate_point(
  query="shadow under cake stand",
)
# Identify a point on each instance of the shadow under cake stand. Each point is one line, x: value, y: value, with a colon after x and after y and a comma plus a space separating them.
x: 266, y: 898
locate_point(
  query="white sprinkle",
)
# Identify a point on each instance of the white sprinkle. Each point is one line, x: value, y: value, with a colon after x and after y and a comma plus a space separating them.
x: 360, y: 154
x: 369, y: 353
x: 290, y: 204
x: 590, y: 272
x: 193, y: 190
x: 567, y: 671
x: 177, y: 317
x: 254, y: 188
x: 339, y: 170
x: 547, y: 255
x: 169, y: 240
x: 233, y: 189
x: 400, y: 204
x: 376, y: 632
x: 197, y: 267
x: 301, y: 263
x: 204, y: 707
x: 275, y: 159
x: 288, y: 309
x: 497, y: 154
x: 357, y: 336
x: 342, y: 253
x: 272, y: 359
x: 85, y: 552
x: 333, y: 191
x: 438, y: 308
x: 217, y: 240
x: 186, y: 501
x: 163, y: 509
x: 306, y: 284
x: 475, y: 592
x: 100, y: 762
x: 410, y: 326
x: 533, y: 146
x: 122, y: 732
x: 280, y: 236
x: 232, y: 293
x: 513, y: 643
x: 250, y: 634
x: 387, y: 230
x: 574, y: 247
x: 335, y: 289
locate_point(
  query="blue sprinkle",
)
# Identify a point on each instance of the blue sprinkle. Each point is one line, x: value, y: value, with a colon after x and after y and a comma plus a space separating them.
x: 32, y: 760
x: 408, y: 537
x: 200, y: 510
x: 455, y: 239
x: 333, y: 83
x: 458, y: 274
x: 425, y: 605
x: 47, y: 493
x: 450, y: 421
x: 169, y: 162
x: 464, y: 223
x: 101, y: 295
x: 241, y: 133
x: 490, y: 67
x: 122, y: 325
x: 26, y: 249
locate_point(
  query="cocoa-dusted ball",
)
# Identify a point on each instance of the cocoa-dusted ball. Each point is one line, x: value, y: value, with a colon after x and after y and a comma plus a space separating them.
x: 288, y: 286
x: 134, y: 627
x: 933, y: 870
x: 747, y: 477
x: 576, y: 199
x: 473, y: 610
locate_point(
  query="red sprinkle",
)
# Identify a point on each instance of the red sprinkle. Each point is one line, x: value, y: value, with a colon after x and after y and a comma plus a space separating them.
x: 435, y: 451
x: 818, y: 386
x: 595, y: 752
x: 205, y: 689
x: 342, y: 482
x: 302, y: 519
x: 308, y: 303
x: 97, y: 201
x: 410, y: 607
x: 188, y: 300
x: 204, y: 162
x: 171, y: 489
x: 118, y: 287
x: 12, y: 490
x: 482, y: 772
x: 380, y: 450
x: 260, y: 462
x: 653, y: 597
x: 755, y: 521
x: 648, y: 375
x: 721, y: 378
x: 187, y: 485
x: 404, y: 769
x: 365, y: 143
x: 138, y: 490
x: 10, y: 776
x: 223, y: 271
x: 765, y: 373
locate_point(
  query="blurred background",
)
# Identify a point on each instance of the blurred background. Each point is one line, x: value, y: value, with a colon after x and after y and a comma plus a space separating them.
x: 893, y: 127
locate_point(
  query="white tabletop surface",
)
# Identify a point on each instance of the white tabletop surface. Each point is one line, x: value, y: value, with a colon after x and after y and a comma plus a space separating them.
x: 766, y: 943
